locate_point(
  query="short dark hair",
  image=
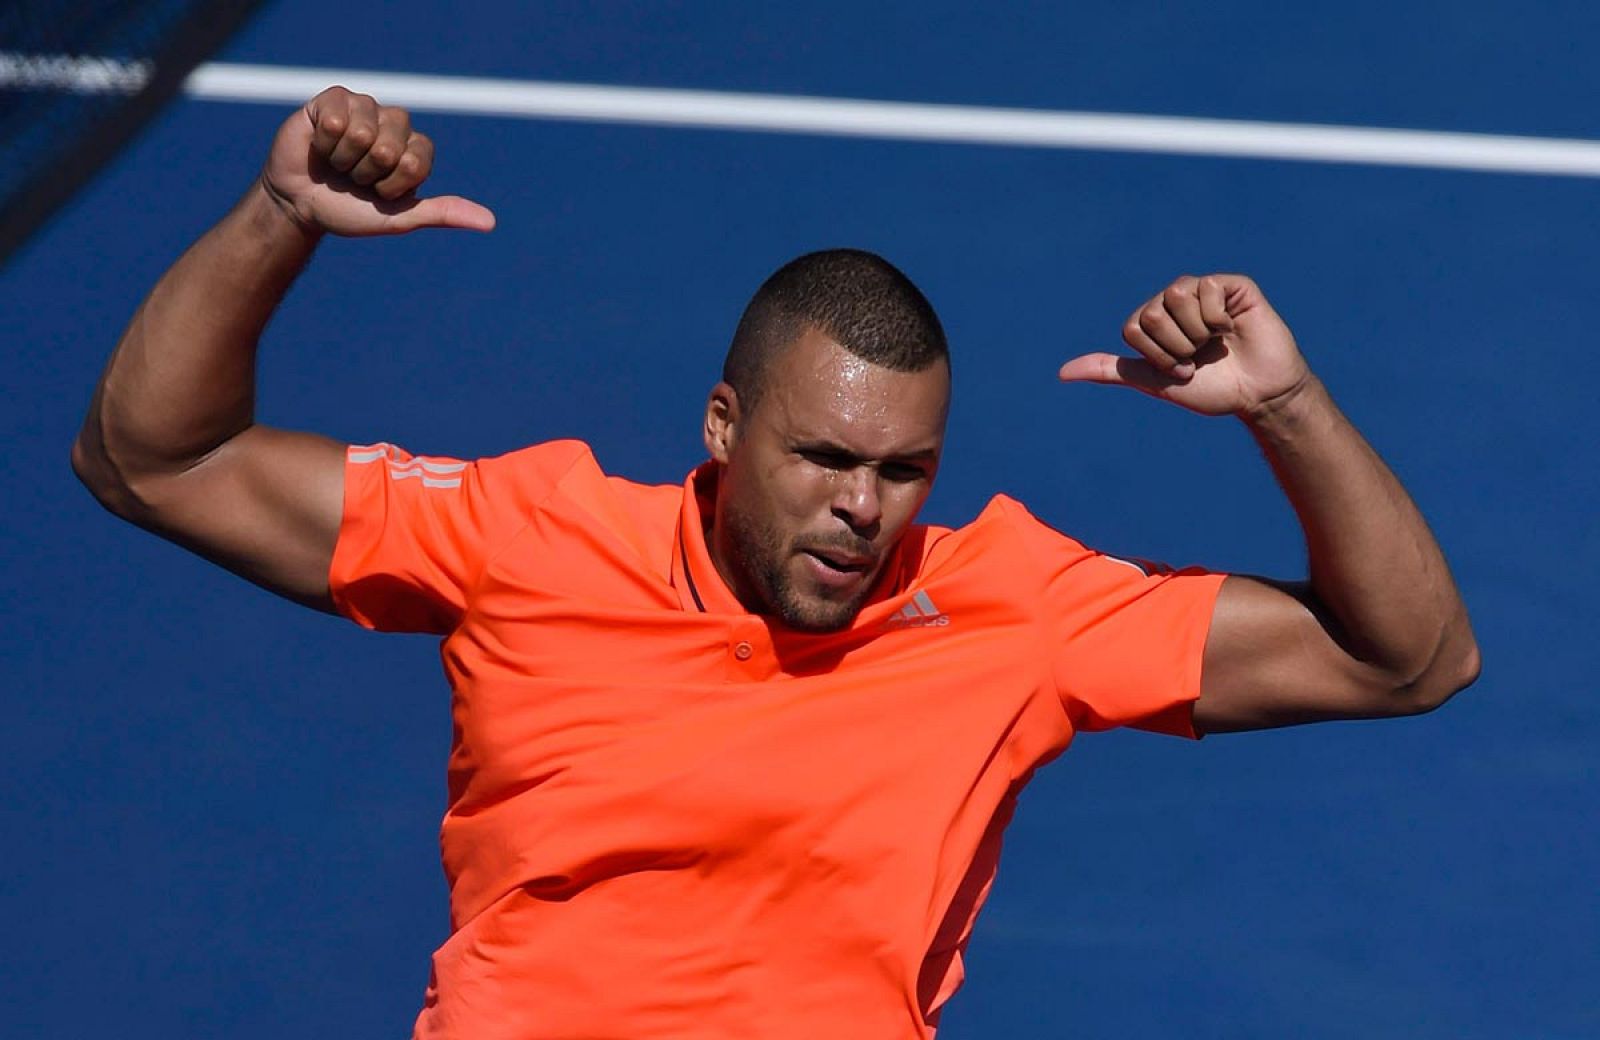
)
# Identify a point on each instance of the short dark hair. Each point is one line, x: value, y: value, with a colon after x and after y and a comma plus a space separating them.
x: 857, y: 298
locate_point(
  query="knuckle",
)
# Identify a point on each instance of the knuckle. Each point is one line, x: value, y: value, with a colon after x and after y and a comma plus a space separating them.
x: 382, y: 154
x: 409, y: 163
x: 1149, y: 317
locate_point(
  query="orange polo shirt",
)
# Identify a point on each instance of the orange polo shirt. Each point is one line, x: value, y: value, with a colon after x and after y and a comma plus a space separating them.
x: 669, y: 817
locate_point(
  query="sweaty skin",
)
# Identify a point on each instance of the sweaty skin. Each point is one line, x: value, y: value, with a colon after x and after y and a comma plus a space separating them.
x: 821, y: 478
x: 170, y: 441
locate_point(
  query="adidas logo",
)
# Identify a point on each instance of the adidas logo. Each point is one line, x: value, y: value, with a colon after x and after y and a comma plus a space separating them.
x: 919, y: 613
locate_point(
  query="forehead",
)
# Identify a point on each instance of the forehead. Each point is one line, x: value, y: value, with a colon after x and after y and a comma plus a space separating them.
x: 817, y: 390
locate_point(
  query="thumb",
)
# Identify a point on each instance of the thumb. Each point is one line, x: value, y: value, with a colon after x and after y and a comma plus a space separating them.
x: 441, y: 211
x: 1112, y: 370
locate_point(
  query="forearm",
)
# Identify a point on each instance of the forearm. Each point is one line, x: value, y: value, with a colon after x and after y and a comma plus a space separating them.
x: 181, y: 381
x: 1374, y: 565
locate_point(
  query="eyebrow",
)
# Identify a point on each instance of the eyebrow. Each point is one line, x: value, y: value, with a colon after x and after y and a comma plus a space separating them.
x: 825, y: 446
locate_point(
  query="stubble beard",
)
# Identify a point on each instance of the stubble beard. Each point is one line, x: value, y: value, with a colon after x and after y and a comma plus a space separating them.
x: 761, y: 556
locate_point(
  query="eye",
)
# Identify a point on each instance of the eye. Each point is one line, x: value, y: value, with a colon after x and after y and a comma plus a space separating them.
x: 826, y: 459
x: 902, y: 472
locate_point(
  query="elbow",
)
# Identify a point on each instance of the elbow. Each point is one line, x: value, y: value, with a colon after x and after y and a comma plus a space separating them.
x: 98, y: 471
x: 1455, y: 666
x: 92, y: 468
x: 1469, y: 666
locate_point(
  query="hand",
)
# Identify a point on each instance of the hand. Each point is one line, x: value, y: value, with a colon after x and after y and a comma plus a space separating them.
x: 1213, y: 345
x: 348, y: 165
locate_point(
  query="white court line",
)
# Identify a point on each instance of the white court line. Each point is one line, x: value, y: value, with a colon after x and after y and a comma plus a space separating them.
x: 965, y: 124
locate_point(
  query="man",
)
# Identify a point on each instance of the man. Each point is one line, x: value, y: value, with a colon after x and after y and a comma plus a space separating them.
x: 733, y: 759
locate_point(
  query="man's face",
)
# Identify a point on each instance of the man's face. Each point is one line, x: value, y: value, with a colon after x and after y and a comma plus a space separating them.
x: 821, y: 479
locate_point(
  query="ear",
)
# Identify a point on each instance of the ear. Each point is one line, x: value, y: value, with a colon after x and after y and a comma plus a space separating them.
x: 722, y: 421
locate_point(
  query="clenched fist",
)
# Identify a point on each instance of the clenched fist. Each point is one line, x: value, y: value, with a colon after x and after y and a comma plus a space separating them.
x: 1213, y: 345
x: 346, y: 164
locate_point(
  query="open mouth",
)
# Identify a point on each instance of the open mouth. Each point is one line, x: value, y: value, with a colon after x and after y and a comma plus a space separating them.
x: 839, y: 562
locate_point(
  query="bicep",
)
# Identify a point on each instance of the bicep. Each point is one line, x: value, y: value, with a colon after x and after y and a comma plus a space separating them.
x: 1274, y: 658
x: 266, y: 505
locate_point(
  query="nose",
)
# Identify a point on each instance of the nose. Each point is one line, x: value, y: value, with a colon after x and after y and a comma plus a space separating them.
x: 856, y: 500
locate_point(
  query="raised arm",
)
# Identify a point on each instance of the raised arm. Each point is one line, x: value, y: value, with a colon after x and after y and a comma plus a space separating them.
x: 170, y: 441
x: 1378, y: 629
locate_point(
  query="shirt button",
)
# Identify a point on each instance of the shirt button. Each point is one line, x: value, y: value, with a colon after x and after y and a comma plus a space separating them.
x: 743, y: 650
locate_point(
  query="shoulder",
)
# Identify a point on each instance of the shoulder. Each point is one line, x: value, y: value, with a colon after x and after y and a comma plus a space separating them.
x: 1005, y: 526
x: 528, y: 477
x: 545, y: 464
x: 485, y: 498
x: 563, y: 482
x: 547, y: 461
x: 1003, y: 545
x: 565, y: 478
x: 1006, y: 543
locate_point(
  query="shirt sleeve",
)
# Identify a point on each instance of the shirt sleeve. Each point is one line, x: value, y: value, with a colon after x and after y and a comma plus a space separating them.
x: 417, y: 530
x: 1128, y: 637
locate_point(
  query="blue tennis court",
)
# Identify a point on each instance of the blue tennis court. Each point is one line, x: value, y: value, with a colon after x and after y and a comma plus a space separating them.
x: 222, y: 812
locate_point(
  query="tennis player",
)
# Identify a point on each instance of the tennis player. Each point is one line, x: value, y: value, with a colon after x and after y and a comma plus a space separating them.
x: 732, y: 758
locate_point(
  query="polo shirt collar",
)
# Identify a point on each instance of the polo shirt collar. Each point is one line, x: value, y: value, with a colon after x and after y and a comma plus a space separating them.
x: 699, y: 583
